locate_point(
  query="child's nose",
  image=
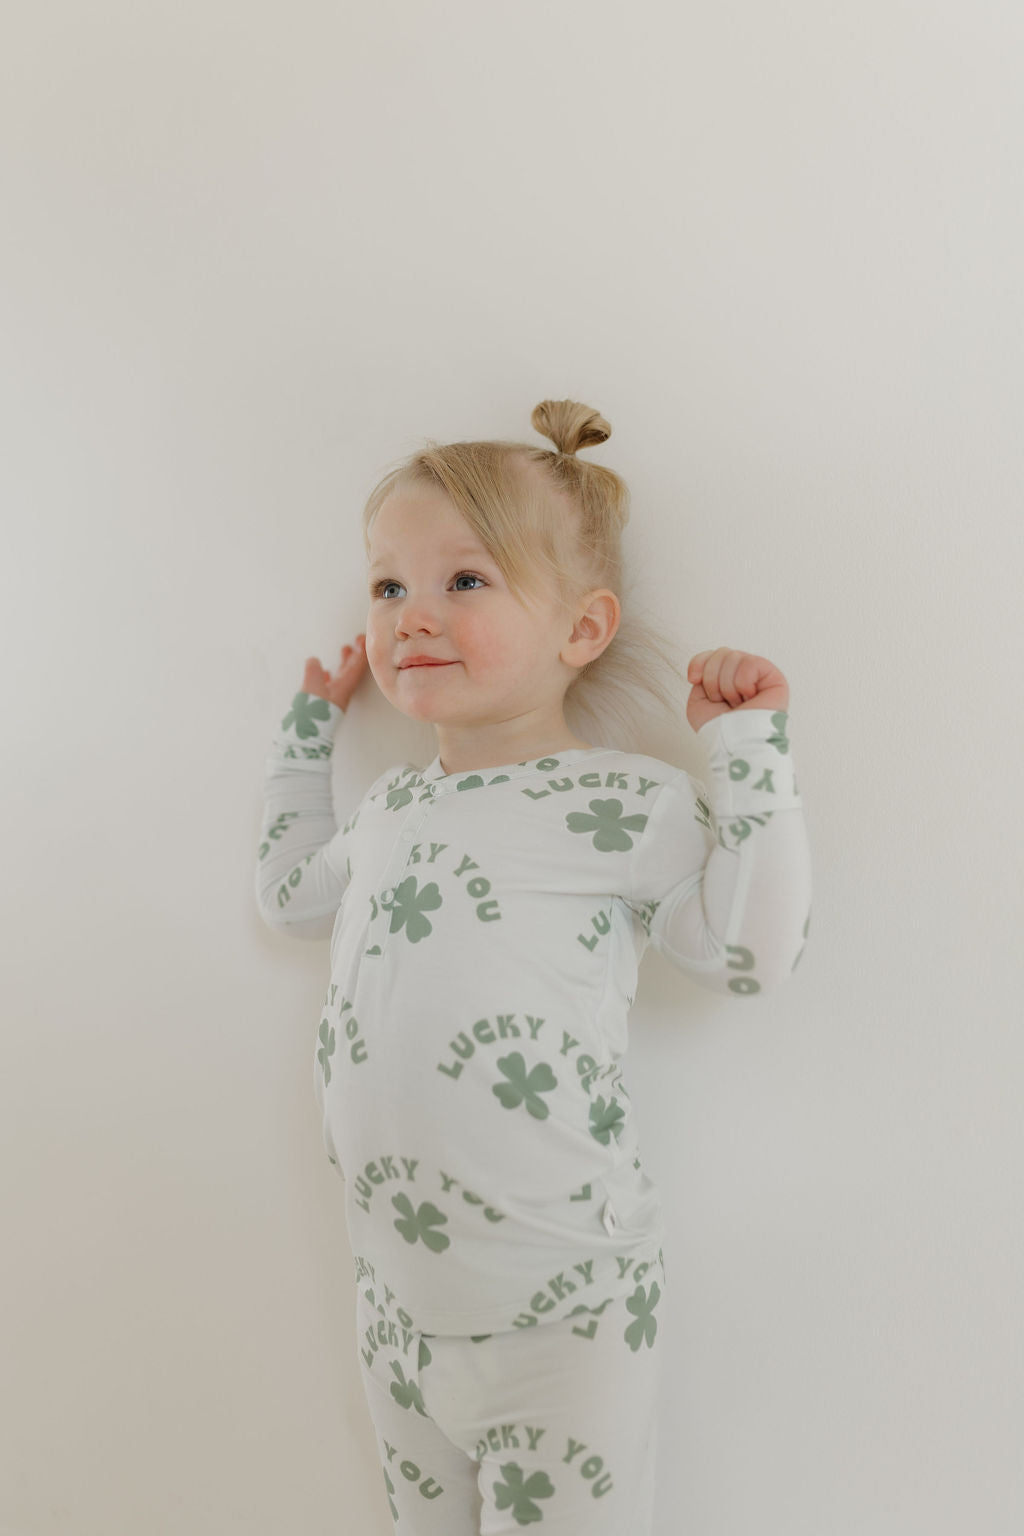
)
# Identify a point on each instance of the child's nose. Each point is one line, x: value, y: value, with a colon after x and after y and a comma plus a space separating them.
x: 416, y: 617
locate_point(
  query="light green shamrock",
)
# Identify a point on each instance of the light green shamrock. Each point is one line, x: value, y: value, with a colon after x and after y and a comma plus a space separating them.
x: 612, y: 828
x: 408, y: 906
x: 420, y: 1222
x: 606, y: 1120
x: 520, y: 1494
x: 780, y: 739
x: 645, y: 1327
x: 397, y: 798
x: 306, y: 709
x: 522, y: 1089
x: 406, y: 1393
x: 326, y: 1034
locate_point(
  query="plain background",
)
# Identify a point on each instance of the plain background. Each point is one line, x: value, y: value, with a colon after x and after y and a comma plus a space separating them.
x: 253, y: 254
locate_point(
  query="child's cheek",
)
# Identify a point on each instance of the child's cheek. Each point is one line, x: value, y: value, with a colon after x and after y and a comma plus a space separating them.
x: 376, y: 656
x: 485, y: 642
x: 489, y: 650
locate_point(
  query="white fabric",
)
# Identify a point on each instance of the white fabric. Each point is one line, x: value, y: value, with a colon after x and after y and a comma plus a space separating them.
x: 485, y: 933
x: 495, y: 1432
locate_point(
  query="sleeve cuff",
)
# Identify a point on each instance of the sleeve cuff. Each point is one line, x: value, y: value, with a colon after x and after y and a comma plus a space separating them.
x: 306, y: 732
x: 751, y: 763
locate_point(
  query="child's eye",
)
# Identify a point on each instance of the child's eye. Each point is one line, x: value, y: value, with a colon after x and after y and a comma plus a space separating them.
x: 467, y: 576
x: 387, y: 589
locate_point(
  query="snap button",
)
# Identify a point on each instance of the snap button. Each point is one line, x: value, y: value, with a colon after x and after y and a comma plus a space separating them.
x: 608, y: 1219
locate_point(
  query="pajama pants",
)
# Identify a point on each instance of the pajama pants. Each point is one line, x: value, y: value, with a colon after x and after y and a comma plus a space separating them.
x: 552, y: 1425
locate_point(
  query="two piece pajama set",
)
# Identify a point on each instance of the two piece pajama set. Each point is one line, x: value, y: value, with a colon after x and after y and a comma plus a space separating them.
x: 485, y: 932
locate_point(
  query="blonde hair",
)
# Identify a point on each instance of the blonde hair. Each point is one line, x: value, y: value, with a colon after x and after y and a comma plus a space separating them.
x: 540, y: 514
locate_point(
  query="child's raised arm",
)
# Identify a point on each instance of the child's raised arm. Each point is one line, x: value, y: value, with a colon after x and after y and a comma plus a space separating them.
x: 302, y: 866
x: 722, y: 880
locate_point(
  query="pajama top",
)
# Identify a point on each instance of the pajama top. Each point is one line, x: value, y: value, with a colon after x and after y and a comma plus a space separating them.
x: 485, y: 934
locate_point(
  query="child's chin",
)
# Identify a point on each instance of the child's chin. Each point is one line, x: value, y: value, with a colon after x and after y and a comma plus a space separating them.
x: 429, y: 711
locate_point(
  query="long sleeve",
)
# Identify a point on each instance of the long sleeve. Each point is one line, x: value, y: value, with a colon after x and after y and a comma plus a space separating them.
x: 301, y: 868
x: 723, y: 880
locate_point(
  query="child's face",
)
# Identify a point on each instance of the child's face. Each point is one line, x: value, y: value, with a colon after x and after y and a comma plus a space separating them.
x: 436, y: 593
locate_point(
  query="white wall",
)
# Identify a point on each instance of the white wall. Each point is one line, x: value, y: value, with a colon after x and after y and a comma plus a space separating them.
x: 253, y: 254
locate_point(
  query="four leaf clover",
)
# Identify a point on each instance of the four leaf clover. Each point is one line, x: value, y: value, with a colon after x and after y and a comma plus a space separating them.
x: 519, y: 1493
x: 642, y: 1305
x: 408, y: 905
x: 326, y: 1035
x: 606, y: 1120
x: 306, y: 710
x: 407, y: 1394
x: 521, y: 1088
x: 780, y: 739
x: 420, y: 1223
x: 610, y: 828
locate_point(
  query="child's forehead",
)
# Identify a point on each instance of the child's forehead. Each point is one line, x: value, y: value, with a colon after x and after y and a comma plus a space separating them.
x: 431, y: 526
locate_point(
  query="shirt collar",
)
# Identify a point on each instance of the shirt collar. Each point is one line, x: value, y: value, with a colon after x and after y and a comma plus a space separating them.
x: 435, y: 774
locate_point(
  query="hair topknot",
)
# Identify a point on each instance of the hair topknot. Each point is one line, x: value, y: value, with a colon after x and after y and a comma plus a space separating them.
x: 570, y: 425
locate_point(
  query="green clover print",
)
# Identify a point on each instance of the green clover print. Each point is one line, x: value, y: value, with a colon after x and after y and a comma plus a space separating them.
x: 780, y: 739
x: 397, y: 798
x: 306, y: 710
x: 408, y: 906
x: 606, y: 1120
x: 475, y: 781
x: 645, y: 1327
x: 406, y: 1393
x: 610, y: 828
x: 420, y: 1223
x: 520, y: 1494
x: 521, y: 1089
x: 326, y: 1034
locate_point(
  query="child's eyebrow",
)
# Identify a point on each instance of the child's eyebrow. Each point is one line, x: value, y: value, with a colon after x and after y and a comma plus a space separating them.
x: 469, y: 552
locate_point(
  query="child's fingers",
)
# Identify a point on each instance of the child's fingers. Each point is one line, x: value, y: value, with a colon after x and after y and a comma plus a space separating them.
x: 747, y: 676
x: 716, y: 680
x: 727, y: 679
x: 740, y: 676
x: 727, y: 676
x: 340, y: 684
x: 314, y: 678
x: 353, y: 657
x: 706, y: 669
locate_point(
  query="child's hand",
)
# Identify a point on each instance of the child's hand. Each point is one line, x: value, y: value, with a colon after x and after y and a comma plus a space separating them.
x: 339, y: 688
x: 725, y: 680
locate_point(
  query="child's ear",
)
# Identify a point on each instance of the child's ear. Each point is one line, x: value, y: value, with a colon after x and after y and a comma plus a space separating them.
x: 596, y: 623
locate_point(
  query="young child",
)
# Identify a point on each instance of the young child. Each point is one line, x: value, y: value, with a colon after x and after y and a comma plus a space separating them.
x: 487, y: 914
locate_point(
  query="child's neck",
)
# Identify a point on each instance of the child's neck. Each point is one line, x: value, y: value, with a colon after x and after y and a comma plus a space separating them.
x: 520, y: 740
